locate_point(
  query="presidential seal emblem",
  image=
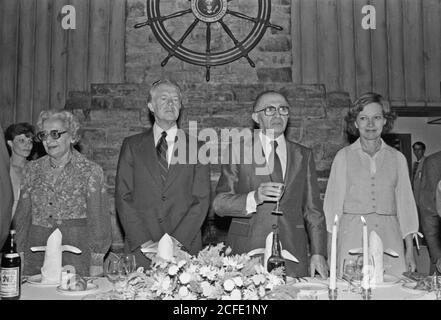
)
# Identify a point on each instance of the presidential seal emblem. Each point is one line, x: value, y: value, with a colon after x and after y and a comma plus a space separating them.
x: 209, y: 10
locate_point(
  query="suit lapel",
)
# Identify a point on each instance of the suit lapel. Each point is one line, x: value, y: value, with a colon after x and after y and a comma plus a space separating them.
x: 293, y: 163
x: 148, y: 154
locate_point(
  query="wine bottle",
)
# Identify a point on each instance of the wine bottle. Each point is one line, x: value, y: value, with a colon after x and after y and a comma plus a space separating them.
x: 10, y: 274
x: 276, y: 260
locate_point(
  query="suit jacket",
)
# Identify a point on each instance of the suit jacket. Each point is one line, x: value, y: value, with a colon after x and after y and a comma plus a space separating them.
x: 430, y: 221
x: 302, y: 209
x: 6, y: 195
x: 148, y: 209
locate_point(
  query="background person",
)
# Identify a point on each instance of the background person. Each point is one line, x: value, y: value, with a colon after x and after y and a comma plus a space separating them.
x: 19, y: 138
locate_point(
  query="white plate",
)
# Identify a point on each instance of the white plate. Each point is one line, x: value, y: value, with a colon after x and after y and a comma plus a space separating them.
x: 36, y: 281
x: 91, y: 288
x: 313, y: 287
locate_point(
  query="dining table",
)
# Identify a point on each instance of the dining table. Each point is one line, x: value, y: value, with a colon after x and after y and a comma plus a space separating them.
x: 315, y: 289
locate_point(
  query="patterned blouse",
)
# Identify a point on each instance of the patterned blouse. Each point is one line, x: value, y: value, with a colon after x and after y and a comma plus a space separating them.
x: 74, y: 202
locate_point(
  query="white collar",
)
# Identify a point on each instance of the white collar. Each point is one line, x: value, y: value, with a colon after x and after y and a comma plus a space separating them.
x: 171, y: 132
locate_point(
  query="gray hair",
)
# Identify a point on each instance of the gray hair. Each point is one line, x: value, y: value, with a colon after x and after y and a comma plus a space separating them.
x: 70, y: 121
x: 158, y: 83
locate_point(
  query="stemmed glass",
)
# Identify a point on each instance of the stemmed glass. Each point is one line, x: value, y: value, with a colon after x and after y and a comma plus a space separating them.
x: 128, y: 263
x: 113, y: 270
x: 277, y: 211
x: 349, y: 272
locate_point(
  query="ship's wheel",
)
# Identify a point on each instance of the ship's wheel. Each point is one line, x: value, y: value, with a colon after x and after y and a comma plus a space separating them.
x: 209, y: 12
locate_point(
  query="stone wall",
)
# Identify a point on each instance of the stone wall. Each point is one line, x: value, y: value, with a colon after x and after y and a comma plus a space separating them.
x: 111, y: 112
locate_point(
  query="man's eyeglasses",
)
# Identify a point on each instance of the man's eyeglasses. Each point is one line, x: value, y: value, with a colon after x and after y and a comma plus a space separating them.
x: 54, y: 134
x: 271, y: 110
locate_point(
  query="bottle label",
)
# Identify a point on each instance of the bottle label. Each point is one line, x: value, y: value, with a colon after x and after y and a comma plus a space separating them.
x: 11, y: 255
x: 9, y: 282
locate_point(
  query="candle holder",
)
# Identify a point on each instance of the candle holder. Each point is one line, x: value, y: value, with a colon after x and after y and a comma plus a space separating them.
x: 332, y: 294
x: 366, y: 294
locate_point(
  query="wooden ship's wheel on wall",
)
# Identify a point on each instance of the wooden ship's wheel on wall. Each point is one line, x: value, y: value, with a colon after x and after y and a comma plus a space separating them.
x: 209, y: 12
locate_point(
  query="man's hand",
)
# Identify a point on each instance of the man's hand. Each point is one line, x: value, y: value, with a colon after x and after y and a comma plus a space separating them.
x: 318, y: 263
x: 410, y: 261
x: 268, y: 191
x: 438, y: 264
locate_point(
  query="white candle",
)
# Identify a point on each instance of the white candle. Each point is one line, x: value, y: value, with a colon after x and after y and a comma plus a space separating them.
x: 333, y: 271
x: 365, y: 283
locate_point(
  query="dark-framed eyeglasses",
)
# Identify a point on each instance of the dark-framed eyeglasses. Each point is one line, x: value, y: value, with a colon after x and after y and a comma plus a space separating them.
x: 271, y: 110
x: 54, y: 134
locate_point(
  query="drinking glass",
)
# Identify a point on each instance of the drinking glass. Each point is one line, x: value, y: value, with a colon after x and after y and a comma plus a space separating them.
x: 277, y: 211
x: 113, y: 270
x: 349, y: 272
x: 128, y: 263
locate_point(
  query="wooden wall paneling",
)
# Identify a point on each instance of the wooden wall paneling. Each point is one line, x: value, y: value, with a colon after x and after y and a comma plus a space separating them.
x: 413, y: 51
x: 25, y: 70
x: 9, y: 14
x: 432, y: 49
x: 42, y: 61
x: 98, y: 41
x: 78, y: 47
x: 59, y: 61
x: 347, y: 73
x: 328, y: 44
x: 395, y: 36
x: 117, y: 30
x: 380, y: 50
x: 309, y: 41
x: 362, y: 37
x: 296, y: 34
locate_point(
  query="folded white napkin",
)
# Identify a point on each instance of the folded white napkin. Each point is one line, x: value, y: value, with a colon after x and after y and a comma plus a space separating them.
x: 51, y: 270
x: 376, y: 252
x: 165, y: 248
x: 267, y: 251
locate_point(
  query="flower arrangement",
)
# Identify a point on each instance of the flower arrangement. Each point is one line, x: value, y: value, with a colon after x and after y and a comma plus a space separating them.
x: 213, y: 274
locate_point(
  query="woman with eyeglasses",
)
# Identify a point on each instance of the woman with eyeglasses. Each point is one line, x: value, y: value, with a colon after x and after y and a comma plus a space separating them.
x: 19, y: 141
x: 371, y: 179
x: 63, y: 190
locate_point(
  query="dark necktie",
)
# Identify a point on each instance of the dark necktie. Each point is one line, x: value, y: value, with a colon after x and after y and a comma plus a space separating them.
x: 161, y: 151
x: 414, y: 170
x: 277, y: 174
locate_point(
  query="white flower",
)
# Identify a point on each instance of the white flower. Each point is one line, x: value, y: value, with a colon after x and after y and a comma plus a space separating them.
x: 238, y: 281
x: 228, y: 251
x: 236, y: 295
x: 229, y: 285
x: 185, y: 278
x: 181, y: 263
x: 250, y: 294
x: 165, y: 284
x: 190, y: 296
x: 207, y: 289
x: 173, y: 270
x: 258, y: 279
x: 262, y: 291
x: 183, y: 292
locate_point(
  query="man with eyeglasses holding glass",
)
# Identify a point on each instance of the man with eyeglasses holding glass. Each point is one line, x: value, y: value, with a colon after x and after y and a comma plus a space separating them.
x: 250, y: 196
x: 155, y: 195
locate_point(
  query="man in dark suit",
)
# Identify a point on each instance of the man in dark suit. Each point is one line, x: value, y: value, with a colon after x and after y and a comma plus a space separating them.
x: 430, y: 220
x: 247, y: 191
x: 154, y: 194
x: 6, y: 196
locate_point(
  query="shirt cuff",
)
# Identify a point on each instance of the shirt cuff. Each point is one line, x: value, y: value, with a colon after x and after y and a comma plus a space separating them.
x: 251, y: 205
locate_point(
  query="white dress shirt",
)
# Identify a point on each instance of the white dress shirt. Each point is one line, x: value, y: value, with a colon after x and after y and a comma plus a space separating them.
x: 171, y: 136
x: 251, y: 205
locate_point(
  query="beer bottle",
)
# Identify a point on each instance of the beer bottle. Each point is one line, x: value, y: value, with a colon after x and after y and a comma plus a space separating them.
x: 276, y: 260
x: 10, y: 274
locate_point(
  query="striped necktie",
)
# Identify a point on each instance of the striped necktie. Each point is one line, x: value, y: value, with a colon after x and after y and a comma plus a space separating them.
x: 161, y: 152
x: 277, y: 174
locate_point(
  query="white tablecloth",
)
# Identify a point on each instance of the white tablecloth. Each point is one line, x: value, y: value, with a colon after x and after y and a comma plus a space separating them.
x: 393, y: 292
